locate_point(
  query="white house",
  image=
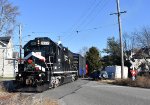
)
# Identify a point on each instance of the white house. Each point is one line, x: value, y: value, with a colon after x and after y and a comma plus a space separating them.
x: 141, y: 60
x: 8, y: 63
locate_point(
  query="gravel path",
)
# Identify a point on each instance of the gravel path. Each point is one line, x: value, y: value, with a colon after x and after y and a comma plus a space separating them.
x: 10, y: 98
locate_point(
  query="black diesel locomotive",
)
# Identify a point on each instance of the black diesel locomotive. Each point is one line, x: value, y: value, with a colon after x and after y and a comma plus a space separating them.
x: 46, y: 64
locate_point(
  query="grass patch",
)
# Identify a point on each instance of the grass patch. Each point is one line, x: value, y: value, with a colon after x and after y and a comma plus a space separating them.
x: 45, y: 102
x: 40, y: 101
x: 141, y: 81
x: 6, y: 78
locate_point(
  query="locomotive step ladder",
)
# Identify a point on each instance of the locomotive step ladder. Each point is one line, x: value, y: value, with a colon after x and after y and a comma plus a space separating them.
x: 49, y: 64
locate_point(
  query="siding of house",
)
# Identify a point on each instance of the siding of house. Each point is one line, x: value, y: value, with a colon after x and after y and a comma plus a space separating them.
x: 1, y: 60
x: 7, y: 67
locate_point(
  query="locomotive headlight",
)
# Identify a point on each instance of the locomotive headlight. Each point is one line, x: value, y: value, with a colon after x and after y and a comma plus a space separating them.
x: 55, y: 67
x: 59, y: 60
x: 38, y: 42
x: 40, y: 75
x: 19, y: 75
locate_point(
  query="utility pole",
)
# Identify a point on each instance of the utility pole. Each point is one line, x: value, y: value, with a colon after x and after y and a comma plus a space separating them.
x: 59, y: 40
x: 120, y: 36
x: 20, y: 41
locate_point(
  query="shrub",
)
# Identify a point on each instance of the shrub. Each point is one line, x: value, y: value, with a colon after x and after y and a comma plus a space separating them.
x: 141, y: 81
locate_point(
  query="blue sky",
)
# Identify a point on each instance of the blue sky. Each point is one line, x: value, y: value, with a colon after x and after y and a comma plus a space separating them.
x: 53, y: 18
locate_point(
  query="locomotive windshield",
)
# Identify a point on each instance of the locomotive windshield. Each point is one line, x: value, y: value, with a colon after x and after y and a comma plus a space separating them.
x: 37, y: 48
x: 45, y: 48
x: 34, y: 64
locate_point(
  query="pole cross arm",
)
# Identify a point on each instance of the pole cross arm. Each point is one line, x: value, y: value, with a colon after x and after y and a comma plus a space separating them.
x: 118, y: 13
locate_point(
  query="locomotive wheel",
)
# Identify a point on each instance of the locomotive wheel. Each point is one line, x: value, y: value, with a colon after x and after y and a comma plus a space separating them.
x: 57, y: 83
x: 73, y: 78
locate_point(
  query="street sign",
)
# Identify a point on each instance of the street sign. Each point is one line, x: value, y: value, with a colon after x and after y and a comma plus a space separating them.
x: 133, y: 72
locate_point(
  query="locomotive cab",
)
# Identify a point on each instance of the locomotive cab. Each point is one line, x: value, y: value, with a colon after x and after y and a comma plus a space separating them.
x: 37, y: 65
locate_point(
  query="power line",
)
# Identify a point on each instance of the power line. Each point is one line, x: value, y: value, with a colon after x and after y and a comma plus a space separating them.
x: 75, y: 33
x: 96, y: 28
x: 99, y: 10
x: 91, y: 12
x: 86, y: 18
x: 81, y: 18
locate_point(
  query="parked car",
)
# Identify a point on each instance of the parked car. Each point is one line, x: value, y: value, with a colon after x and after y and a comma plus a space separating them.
x: 103, y: 75
x: 99, y: 74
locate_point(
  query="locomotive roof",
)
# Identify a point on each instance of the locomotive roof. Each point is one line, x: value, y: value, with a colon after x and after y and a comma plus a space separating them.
x: 40, y: 38
x: 46, y: 39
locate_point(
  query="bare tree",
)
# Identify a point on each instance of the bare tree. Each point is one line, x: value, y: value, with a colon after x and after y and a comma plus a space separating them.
x: 8, y: 14
x: 143, y: 41
x: 83, y: 51
x: 130, y: 45
x: 143, y: 37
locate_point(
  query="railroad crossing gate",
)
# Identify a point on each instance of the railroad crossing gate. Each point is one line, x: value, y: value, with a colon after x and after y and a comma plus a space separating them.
x: 133, y: 72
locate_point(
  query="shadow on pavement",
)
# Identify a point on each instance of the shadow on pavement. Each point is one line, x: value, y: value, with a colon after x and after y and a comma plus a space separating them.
x: 89, y: 79
x: 7, y: 85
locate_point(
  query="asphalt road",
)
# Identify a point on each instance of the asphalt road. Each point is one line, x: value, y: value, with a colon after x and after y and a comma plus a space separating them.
x: 85, y: 92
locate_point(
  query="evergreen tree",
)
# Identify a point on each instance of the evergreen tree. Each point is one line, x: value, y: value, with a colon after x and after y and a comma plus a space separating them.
x: 93, y: 59
x: 113, y: 51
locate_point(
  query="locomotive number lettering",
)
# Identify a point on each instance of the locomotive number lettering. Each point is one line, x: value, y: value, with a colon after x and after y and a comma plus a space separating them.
x: 44, y: 43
